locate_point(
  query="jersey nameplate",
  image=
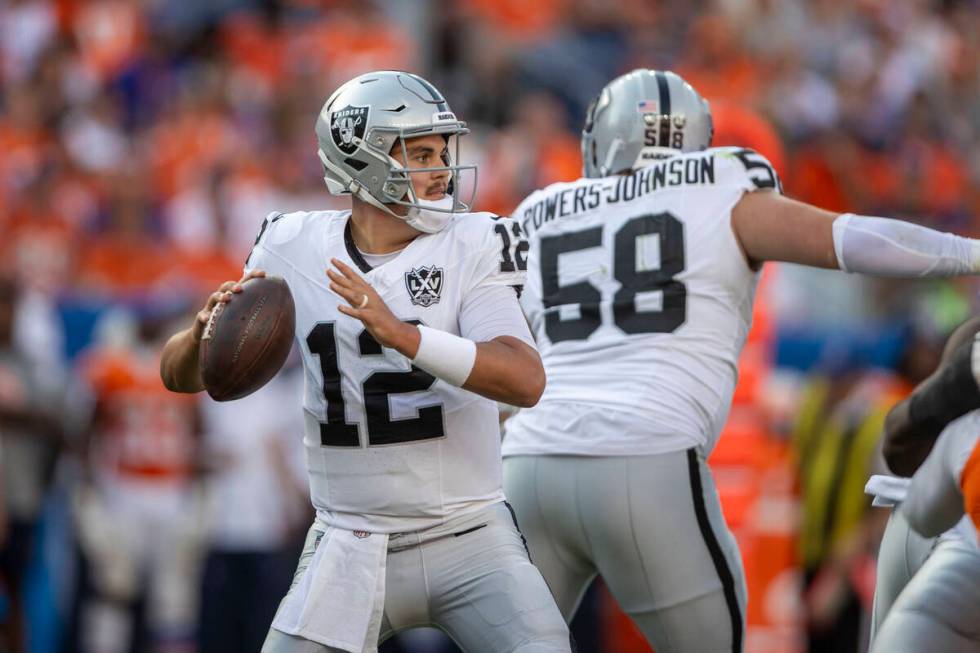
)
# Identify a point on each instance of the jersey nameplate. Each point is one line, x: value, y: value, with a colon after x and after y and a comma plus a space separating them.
x: 672, y: 172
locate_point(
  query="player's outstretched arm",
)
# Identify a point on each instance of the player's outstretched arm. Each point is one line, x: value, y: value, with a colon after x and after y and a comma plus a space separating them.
x: 502, y: 368
x: 179, y: 362
x: 770, y: 227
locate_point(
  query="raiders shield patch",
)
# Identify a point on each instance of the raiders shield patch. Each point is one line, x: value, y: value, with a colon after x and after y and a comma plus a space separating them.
x: 424, y: 285
x: 347, y: 127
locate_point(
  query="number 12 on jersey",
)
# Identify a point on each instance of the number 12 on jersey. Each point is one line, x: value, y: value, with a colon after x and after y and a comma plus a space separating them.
x: 633, y: 278
x: 381, y: 428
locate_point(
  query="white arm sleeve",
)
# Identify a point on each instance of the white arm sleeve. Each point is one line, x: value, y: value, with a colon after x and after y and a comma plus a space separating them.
x: 895, y: 248
x: 492, y: 311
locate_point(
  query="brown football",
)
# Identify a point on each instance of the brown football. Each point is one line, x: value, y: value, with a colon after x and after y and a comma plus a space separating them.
x: 247, y: 340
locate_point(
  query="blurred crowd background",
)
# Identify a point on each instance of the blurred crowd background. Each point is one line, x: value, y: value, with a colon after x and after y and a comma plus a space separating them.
x: 142, y: 142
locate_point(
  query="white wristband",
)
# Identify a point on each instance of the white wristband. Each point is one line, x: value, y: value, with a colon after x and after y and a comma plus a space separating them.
x: 446, y: 356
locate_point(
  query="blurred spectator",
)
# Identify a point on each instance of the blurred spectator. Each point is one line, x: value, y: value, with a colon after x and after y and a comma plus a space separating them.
x: 717, y: 64
x: 836, y: 444
x: 737, y: 125
x: 138, y: 510
x: 27, y: 27
x: 257, y: 510
x: 30, y: 437
x: 534, y: 152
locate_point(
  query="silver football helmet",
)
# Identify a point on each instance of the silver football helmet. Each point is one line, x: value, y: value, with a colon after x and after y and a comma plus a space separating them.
x: 364, y: 119
x: 640, y: 117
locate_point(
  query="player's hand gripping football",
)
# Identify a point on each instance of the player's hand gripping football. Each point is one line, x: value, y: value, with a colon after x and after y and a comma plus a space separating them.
x: 367, y: 306
x: 222, y: 295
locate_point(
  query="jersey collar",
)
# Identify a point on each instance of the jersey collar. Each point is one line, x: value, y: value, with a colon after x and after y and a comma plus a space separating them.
x: 353, y: 252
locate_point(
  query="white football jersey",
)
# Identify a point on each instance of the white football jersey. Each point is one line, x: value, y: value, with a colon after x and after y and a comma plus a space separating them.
x: 640, y: 300
x: 389, y: 447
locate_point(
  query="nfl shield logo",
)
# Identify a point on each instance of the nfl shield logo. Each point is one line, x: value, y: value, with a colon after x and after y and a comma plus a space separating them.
x: 424, y: 285
x: 347, y: 127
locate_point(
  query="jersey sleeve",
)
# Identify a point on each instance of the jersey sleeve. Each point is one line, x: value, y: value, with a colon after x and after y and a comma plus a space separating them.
x: 497, y: 269
x: 746, y: 169
x: 258, y: 258
x: 488, y: 312
x: 499, y: 254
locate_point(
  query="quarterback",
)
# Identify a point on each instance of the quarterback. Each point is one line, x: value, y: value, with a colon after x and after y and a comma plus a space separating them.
x: 409, y: 324
x: 641, y: 279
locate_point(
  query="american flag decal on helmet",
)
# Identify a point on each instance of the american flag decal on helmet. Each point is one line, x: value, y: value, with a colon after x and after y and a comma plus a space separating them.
x: 648, y: 106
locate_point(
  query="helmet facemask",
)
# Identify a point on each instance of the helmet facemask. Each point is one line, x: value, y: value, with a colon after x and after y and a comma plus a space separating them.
x: 398, y: 188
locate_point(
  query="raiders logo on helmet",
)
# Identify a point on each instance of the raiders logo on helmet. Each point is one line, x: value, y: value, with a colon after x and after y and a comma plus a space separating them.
x: 424, y: 285
x: 346, y: 125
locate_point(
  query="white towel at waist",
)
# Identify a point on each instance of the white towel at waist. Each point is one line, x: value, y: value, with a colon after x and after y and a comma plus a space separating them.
x: 339, y: 599
x: 887, y: 490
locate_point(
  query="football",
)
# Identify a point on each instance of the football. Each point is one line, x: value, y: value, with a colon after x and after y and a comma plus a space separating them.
x: 246, y: 340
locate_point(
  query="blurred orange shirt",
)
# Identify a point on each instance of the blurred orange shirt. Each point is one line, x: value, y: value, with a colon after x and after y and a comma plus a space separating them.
x: 738, y: 125
x: 145, y: 432
x: 518, y: 18
x: 122, y: 264
x: 344, y: 47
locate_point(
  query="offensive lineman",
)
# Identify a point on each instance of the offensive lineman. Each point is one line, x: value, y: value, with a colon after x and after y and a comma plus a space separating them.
x: 641, y: 278
x: 402, y: 437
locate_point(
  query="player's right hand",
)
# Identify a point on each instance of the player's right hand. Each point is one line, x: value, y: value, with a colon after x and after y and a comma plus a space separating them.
x: 222, y: 295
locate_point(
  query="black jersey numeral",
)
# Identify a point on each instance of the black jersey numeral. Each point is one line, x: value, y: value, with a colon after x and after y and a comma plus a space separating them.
x: 633, y: 280
x: 335, y: 432
x: 765, y: 177
x: 583, y: 293
x: 513, y: 254
x: 377, y: 390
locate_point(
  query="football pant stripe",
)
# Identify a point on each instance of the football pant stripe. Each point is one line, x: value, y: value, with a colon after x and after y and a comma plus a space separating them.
x: 714, y: 548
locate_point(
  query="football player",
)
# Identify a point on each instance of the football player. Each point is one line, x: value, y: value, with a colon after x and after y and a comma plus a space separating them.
x: 949, y: 393
x: 641, y: 278
x: 944, y: 407
x: 402, y: 437
x: 939, y: 609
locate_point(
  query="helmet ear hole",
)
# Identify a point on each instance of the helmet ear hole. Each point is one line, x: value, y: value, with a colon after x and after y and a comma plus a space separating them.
x: 355, y: 164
